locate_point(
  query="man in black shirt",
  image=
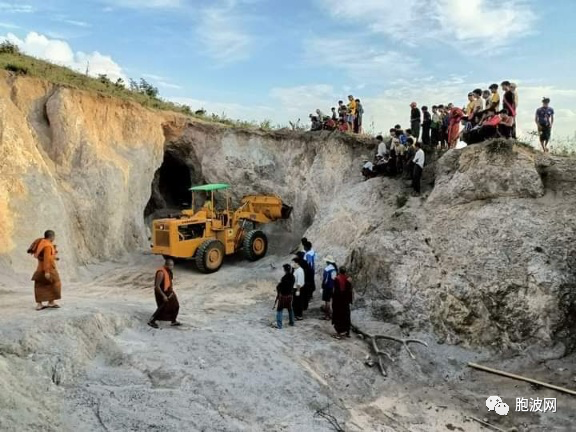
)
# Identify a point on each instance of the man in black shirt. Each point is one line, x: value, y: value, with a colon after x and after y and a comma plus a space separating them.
x: 509, y: 103
x: 284, y: 296
x: 415, y: 119
x: 426, y: 124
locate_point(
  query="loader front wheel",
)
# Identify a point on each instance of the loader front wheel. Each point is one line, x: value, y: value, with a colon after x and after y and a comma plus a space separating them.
x: 209, y: 256
x: 255, y: 245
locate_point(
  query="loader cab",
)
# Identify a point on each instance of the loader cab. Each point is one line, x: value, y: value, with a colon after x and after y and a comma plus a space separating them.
x: 219, y: 218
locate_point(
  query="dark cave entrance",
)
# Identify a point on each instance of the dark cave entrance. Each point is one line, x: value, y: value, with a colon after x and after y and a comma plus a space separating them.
x: 171, y: 184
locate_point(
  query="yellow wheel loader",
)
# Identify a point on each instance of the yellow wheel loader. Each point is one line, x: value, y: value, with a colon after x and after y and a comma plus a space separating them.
x: 206, y: 235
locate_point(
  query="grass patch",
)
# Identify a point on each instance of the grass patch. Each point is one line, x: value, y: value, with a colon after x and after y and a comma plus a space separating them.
x: 18, y: 70
x: 141, y: 92
x: 500, y: 147
x: 401, y: 200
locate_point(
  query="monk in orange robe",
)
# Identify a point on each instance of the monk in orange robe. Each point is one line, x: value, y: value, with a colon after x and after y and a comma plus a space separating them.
x: 166, y: 300
x: 47, y: 285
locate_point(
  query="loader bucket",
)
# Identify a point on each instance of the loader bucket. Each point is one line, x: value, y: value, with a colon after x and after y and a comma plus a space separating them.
x: 286, y: 211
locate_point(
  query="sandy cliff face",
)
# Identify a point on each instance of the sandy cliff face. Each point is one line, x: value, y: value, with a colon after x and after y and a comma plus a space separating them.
x: 487, y: 258
x: 77, y: 163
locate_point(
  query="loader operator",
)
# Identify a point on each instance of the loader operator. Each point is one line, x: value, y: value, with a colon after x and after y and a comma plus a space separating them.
x: 166, y: 300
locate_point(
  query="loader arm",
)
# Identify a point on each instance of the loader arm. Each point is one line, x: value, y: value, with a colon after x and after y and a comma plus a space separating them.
x: 262, y: 209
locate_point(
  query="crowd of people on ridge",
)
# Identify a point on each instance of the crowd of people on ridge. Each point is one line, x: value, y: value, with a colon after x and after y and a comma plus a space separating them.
x: 345, y: 118
x: 480, y: 119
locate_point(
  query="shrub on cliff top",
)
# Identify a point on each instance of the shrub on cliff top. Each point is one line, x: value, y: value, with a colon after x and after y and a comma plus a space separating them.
x: 19, y: 70
x: 8, y: 47
x: 141, y: 92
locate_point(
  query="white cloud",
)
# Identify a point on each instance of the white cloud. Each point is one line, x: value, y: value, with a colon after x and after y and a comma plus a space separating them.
x: 77, y: 23
x: 169, y: 85
x: 59, y: 52
x: 221, y: 32
x: 153, y: 77
x: 233, y: 110
x: 362, y: 61
x: 150, y: 4
x: 16, y: 8
x: 9, y: 26
x: 300, y: 101
x: 492, y: 22
x: 489, y: 22
x: 161, y: 81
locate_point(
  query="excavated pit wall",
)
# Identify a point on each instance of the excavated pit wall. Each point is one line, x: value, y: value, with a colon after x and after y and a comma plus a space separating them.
x: 486, y: 259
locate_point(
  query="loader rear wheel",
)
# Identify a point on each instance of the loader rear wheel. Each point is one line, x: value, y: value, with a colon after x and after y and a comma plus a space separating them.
x: 255, y: 245
x: 210, y: 256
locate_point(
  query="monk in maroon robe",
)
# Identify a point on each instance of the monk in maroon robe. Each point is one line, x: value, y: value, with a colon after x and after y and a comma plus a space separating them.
x: 342, y: 298
x: 47, y: 285
x: 166, y: 300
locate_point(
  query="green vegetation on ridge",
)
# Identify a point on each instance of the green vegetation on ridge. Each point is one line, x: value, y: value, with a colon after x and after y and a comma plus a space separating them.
x: 142, y: 92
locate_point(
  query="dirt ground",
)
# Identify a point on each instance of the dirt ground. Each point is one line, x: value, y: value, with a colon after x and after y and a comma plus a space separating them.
x: 94, y: 364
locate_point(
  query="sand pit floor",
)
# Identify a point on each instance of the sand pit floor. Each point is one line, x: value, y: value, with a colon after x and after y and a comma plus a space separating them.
x: 94, y: 364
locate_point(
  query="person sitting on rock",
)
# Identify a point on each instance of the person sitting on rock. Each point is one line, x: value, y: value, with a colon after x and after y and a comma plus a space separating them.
x: 380, y: 167
x: 343, y: 126
x: 368, y: 170
x: 488, y: 129
x: 315, y: 123
x: 330, y: 124
x: 409, y: 156
x: 166, y: 300
x: 506, y: 125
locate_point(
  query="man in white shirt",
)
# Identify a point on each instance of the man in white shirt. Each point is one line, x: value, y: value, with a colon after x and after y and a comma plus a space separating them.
x: 418, y: 160
x: 298, y: 285
x: 382, y: 150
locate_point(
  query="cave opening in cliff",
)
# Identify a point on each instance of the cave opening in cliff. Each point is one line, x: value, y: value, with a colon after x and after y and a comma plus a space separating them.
x: 171, y: 185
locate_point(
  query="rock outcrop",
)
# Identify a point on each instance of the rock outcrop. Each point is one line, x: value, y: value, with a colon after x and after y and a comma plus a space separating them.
x: 488, y: 258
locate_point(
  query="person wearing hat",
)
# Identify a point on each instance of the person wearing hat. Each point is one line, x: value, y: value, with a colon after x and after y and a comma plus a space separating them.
x: 544, y: 120
x: 328, y: 278
x: 284, y: 297
x: 415, y: 119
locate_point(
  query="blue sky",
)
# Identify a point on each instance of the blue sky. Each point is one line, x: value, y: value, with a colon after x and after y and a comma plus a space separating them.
x: 280, y: 60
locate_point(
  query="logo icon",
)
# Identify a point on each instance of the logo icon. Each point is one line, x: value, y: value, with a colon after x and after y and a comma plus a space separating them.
x: 502, y: 408
x: 494, y: 403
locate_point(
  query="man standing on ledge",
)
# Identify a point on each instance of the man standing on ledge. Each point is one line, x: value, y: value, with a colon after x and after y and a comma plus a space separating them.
x: 166, y: 299
x: 418, y: 160
x: 47, y: 285
x: 415, y: 120
x: 544, y: 120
